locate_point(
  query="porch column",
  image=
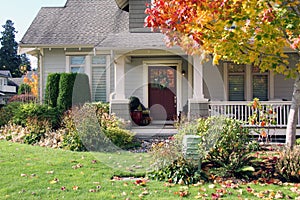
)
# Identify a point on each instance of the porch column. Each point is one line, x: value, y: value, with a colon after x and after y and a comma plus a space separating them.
x: 198, y: 105
x: 119, y: 104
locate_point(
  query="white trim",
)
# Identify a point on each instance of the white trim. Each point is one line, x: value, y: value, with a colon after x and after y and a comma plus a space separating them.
x: 167, y: 63
x: 190, y: 77
x: 271, y: 85
x: 88, y: 69
x: 42, y: 74
x: 226, y: 82
x: 68, y: 67
x: 248, y: 88
x: 108, y: 71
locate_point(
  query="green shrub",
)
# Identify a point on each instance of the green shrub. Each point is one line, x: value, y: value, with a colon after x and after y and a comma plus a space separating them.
x: 73, y: 90
x: 71, y: 139
x: 179, y: 171
x: 288, y: 165
x: 24, y: 89
x: 298, y: 141
x: 7, y: 112
x: 37, y: 111
x: 228, y: 147
x: 37, y: 130
x: 120, y: 137
x: 66, y: 83
x: 52, y: 89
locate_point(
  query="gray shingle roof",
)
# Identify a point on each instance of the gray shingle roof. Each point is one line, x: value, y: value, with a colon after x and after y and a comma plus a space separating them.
x: 133, y: 40
x: 5, y: 73
x: 79, y: 22
x: 97, y: 23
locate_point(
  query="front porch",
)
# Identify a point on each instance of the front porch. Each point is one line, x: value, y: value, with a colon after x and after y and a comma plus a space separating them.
x: 234, y: 109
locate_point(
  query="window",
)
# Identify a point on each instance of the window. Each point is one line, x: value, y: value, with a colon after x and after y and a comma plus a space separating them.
x: 259, y: 84
x: 246, y: 82
x: 99, y: 90
x: 77, y: 64
x: 236, y: 79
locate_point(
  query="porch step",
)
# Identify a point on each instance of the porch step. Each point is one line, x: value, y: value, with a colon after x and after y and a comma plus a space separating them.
x: 154, y: 130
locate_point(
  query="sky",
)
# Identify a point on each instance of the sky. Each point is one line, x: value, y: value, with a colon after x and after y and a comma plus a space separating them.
x: 22, y: 13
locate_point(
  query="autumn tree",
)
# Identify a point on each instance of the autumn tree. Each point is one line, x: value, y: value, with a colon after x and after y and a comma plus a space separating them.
x: 256, y: 32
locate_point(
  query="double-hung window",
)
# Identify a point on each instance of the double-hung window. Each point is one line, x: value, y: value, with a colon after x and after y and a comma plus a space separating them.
x: 236, y: 82
x: 99, y: 85
x: 246, y: 82
x: 77, y: 64
x: 259, y: 84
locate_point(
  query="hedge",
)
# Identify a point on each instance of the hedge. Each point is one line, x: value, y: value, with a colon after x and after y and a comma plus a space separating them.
x: 52, y: 89
x: 74, y: 89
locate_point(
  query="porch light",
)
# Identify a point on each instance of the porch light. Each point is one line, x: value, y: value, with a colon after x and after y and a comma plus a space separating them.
x: 183, y: 72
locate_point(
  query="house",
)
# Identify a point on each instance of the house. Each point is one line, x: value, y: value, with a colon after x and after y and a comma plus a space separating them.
x: 7, y: 87
x: 107, y: 40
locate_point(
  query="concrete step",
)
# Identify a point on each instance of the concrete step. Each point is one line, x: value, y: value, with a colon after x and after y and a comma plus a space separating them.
x: 154, y: 130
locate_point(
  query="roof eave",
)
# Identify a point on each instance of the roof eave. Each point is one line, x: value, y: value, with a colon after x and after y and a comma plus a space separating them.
x: 123, y: 4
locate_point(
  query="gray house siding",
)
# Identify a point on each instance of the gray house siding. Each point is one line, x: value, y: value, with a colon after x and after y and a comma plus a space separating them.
x: 283, y: 88
x: 54, y: 61
x: 137, y: 15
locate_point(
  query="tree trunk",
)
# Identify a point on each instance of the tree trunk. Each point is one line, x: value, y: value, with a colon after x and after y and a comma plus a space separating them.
x: 293, y: 115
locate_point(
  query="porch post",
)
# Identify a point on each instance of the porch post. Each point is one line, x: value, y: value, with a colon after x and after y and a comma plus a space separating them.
x: 119, y: 104
x: 198, y: 105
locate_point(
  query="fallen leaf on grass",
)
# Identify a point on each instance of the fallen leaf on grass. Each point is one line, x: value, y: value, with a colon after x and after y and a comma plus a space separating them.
x: 75, y: 187
x: 55, y: 180
x: 23, y: 175
x: 63, y: 188
x: 77, y: 166
x: 50, y: 172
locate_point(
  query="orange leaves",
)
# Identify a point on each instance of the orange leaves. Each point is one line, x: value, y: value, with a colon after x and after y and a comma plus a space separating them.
x: 32, y: 82
x: 236, y: 30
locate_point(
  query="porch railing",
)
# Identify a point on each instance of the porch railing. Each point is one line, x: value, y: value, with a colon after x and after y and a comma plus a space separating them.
x: 242, y: 110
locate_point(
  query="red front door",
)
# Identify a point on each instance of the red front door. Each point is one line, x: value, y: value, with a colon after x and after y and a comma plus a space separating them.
x: 162, y: 92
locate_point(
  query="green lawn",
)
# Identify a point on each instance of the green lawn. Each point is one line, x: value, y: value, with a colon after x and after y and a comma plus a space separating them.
x: 31, y: 172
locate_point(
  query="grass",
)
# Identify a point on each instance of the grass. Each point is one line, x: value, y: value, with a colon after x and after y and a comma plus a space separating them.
x: 31, y: 172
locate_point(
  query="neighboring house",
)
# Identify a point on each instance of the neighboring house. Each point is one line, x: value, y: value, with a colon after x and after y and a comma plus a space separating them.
x: 107, y: 40
x: 7, y: 87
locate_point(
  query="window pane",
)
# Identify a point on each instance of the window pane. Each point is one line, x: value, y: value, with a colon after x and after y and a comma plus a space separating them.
x: 77, y: 60
x: 235, y: 68
x: 99, y: 60
x: 77, y: 69
x: 236, y: 87
x: 99, y: 84
x: 260, y: 87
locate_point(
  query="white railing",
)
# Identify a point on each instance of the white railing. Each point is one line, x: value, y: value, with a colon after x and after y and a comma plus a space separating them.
x: 242, y: 111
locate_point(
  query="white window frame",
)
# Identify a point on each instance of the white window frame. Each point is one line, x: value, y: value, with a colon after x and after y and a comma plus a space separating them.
x: 107, y: 69
x: 81, y: 67
x: 248, y: 77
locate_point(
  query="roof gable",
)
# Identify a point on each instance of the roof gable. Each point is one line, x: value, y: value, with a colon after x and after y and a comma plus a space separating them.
x: 79, y: 22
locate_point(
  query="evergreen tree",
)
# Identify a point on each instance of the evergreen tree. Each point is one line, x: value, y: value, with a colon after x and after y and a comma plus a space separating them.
x: 9, y: 59
x: 25, y: 62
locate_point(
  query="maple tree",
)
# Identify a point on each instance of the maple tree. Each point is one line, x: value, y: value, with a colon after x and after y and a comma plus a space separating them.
x: 33, y: 83
x: 256, y: 32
